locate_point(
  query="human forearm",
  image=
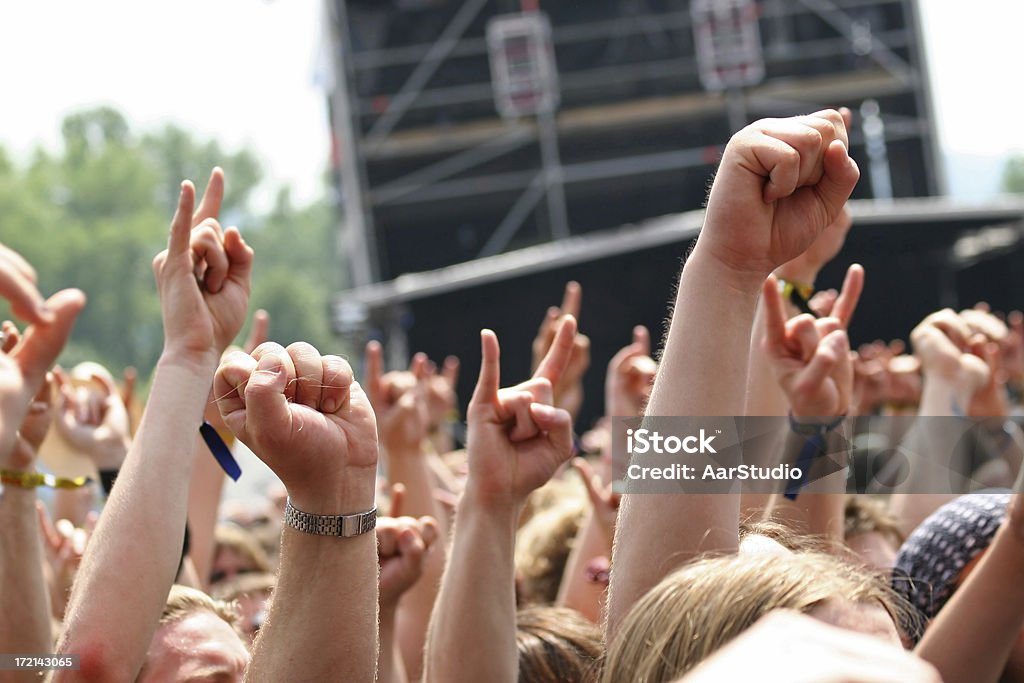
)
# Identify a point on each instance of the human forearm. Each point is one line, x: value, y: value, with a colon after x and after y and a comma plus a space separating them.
x: 577, y: 591
x: 323, y: 620
x: 390, y: 668
x: 136, y: 548
x: 928, y: 454
x: 204, y: 494
x: 412, y: 470
x: 700, y: 374
x: 472, y: 631
x: 24, y: 605
x: 973, y: 635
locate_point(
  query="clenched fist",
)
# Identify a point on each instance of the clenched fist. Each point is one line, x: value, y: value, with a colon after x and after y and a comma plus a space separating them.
x: 306, y: 417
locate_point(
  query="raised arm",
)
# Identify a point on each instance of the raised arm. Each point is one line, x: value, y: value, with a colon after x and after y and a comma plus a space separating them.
x: 131, y: 563
x: 516, y: 443
x: 973, y: 635
x: 24, y: 607
x: 952, y: 374
x: 780, y: 183
x: 400, y: 401
x: 310, y: 422
x: 810, y: 359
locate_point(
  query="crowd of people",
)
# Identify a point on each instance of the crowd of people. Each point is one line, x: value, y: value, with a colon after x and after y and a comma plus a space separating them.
x: 404, y: 543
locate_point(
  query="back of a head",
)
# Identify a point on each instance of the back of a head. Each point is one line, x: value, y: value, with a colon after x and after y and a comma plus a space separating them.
x: 556, y: 645
x: 195, y: 633
x: 542, y: 551
x: 702, y: 606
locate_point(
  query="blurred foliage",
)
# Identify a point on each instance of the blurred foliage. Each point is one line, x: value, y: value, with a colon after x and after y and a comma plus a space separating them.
x: 94, y: 215
x: 1013, y: 174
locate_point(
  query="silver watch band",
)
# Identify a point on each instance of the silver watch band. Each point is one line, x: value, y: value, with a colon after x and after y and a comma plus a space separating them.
x: 345, y: 526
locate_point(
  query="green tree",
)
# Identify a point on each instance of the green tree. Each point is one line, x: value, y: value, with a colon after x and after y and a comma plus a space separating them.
x: 1013, y: 174
x: 93, y: 216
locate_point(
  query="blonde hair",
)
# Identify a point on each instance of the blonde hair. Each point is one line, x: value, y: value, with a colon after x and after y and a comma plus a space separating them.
x: 183, y: 601
x: 865, y: 515
x: 542, y: 551
x: 704, y: 605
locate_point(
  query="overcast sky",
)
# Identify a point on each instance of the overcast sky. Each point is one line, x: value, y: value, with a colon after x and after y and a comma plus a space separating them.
x: 243, y: 71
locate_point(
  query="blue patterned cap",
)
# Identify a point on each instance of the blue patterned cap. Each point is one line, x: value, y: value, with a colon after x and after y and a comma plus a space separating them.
x: 934, y: 555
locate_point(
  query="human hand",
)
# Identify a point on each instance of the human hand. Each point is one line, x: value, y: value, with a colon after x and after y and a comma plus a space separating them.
x: 940, y: 342
x: 18, y: 287
x: 259, y: 332
x: 306, y: 417
x: 203, y: 277
x: 1012, y: 350
x: 603, y: 500
x: 630, y: 377
x: 811, y: 357
x: 442, y: 401
x: 569, y: 389
x: 516, y: 439
x: 402, y: 546
x: 94, y: 422
x: 25, y: 359
x: 63, y: 547
x: 399, y: 400
x: 34, y: 427
x: 805, y: 267
x: 780, y: 184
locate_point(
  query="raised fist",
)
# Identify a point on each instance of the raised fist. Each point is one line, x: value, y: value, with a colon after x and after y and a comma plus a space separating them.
x: 307, y: 419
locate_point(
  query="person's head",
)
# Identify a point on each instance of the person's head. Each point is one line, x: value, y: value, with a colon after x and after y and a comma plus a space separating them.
x: 556, y: 645
x: 236, y: 551
x: 871, y: 532
x: 196, y: 641
x: 936, y: 557
x: 704, y: 605
x: 542, y: 550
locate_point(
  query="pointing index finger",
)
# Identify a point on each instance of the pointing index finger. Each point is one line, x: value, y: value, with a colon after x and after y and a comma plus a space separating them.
x: 558, y: 355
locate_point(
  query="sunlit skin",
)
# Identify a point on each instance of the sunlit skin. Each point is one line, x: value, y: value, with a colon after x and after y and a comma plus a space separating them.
x: 199, y: 648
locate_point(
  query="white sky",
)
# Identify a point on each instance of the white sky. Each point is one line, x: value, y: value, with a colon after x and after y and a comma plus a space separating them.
x: 243, y: 71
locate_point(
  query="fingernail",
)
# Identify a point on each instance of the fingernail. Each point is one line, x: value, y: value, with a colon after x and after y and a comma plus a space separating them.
x: 271, y: 362
x: 329, y: 405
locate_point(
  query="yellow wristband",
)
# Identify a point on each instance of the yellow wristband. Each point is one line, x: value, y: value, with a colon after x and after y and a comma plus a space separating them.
x: 32, y: 480
x: 804, y: 290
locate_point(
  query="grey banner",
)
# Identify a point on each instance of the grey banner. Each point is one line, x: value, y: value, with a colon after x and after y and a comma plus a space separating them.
x: 880, y: 455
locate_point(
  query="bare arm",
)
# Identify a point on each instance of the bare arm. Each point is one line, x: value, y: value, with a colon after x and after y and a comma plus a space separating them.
x: 137, y: 544
x: 762, y: 212
x: 305, y: 416
x: 400, y: 400
x: 24, y: 605
x: 516, y: 443
x: 973, y: 634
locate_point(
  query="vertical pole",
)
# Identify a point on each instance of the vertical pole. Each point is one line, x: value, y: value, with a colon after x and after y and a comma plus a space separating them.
x: 358, y: 223
x: 553, y: 177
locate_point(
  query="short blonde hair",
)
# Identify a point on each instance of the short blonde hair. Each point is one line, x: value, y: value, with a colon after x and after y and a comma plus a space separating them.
x: 183, y: 601
x: 702, y: 606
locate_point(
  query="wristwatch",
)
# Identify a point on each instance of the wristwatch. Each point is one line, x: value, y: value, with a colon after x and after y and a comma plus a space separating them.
x: 345, y: 526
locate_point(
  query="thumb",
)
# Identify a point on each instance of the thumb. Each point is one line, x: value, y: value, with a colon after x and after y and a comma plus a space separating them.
x: 43, y: 342
x: 266, y: 406
x: 841, y: 175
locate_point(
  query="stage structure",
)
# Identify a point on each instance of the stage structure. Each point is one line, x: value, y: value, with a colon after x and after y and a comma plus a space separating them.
x: 467, y: 129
